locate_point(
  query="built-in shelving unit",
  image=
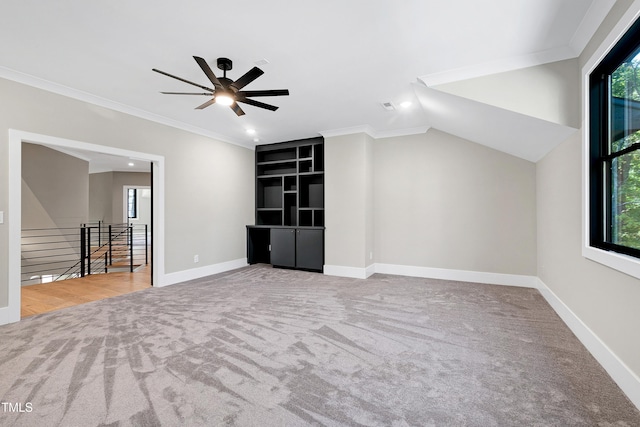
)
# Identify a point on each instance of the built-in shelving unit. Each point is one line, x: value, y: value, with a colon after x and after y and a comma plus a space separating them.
x: 290, y: 184
x: 289, y: 228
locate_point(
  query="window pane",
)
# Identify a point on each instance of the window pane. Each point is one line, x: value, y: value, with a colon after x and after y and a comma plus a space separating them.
x: 132, y: 203
x: 625, y: 200
x: 625, y: 103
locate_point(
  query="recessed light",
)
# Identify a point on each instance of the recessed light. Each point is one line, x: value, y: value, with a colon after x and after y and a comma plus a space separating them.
x: 256, y: 139
x: 131, y: 164
x: 251, y: 131
x: 406, y: 104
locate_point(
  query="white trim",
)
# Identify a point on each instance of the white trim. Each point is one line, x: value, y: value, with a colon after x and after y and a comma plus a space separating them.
x: 402, y: 132
x: 499, y: 66
x: 459, y: 275
x: 518, y: 280
x: 39, y: 83
x: 348, y: 131
x: 373, y: 133
x: 590, y: 24
x: 14, y: 217
x: 370, y: 270
x: 14, y: 213
x: 352, y: 272
x: 197, y: 273
x: 626, y: 379
x: 625, y: 264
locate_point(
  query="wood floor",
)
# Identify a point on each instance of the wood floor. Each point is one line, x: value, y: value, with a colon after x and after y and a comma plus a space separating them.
x: 47, y: 297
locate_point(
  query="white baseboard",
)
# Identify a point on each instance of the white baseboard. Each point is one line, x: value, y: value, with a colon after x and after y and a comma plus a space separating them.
x: 197, y: 273
x: 459, y: 275
x: 5, y: 316
x: 352, y: 272
x: 626, y: 379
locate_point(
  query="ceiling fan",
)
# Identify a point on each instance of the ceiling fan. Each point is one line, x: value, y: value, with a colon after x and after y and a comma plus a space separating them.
x: 226, y: 91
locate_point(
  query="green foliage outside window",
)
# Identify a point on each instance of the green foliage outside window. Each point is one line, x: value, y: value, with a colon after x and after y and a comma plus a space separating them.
x: 625, y: 169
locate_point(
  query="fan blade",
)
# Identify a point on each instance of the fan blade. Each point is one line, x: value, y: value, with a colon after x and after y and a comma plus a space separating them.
x: 236, y: 109
x: 258, y: 104
x: 187, y: 93
x: 207, y: 70
x: 274, y: 92
x: 250, y: 76
x: 206, y: 104
x: 183, y: 80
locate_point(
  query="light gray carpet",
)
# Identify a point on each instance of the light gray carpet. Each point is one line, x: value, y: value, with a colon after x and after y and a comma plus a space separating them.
x: 268, y: 347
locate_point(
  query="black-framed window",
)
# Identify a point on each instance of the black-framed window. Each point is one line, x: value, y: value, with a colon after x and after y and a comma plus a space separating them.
x: 132, y: 203
x: 614, y: 141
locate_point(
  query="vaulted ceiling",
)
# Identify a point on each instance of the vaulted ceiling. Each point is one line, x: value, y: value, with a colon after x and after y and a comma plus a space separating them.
x: 340, y: 60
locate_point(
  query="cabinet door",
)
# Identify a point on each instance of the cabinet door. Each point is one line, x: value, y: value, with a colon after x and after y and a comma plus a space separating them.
x: 283, y: 247
x: 310, y: 249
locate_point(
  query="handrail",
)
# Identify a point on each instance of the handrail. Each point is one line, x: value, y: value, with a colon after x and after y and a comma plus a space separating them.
x: 63, y: 253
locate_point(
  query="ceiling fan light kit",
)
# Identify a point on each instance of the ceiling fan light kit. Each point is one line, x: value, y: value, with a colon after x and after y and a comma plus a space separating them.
x: 226, y: 91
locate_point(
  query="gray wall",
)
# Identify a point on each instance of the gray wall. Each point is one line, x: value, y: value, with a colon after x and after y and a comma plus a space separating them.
x: 101, y: 197
x: 349, y: 201
x: 106, y: 194
x: 209, y: 185
x: 120, y: 179
x: 444, y: 202
x: 429, y: 200
x: 549, y: 92
x: 55, y: 188
x: 604, y: 299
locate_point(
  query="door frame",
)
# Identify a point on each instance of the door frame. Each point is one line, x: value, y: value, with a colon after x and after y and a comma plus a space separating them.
x: 11, y: 313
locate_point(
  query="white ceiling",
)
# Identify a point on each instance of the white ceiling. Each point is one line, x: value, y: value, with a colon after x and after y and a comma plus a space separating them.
x: 339, y: 59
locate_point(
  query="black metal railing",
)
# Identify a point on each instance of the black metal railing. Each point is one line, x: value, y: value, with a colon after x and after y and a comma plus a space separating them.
x: 51, y: 254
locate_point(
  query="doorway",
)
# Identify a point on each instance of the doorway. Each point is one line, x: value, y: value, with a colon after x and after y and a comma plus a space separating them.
x: 14, y: 213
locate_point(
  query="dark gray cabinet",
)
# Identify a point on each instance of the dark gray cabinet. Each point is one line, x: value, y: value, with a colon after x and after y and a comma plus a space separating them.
x: 283, y: 247
x: 289, y: 228
x: 297, y: 248
x: 309, y: 249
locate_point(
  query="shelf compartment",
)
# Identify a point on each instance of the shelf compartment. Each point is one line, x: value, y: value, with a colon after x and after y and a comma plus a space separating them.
x: 318, y: 218
x: 290, y: 183
x: 290, y: 209
x: 304, y: 151
x: 305, y: 218
x: 276, y: 155
x: 318, y: 158
x: 269, y: 217
x: 311, y: 191
x: 277, y: 168
x: 269, y: 193
x: 305, y: 166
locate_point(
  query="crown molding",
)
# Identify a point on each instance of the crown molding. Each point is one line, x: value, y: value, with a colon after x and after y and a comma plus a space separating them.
x: 366, y: 129
x: 590, y: 24
x: 79, y: 95
x: 499, y: 66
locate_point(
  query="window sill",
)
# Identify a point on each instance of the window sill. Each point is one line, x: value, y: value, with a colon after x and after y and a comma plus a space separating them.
x: 623, y: 263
